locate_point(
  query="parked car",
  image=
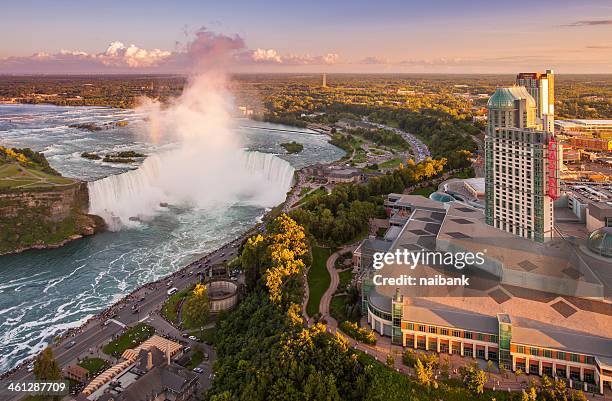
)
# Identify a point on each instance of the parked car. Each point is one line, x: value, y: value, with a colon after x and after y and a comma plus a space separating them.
x: 172, y: 291
x: 193, y: 338
x: 70, y: 344
x: 198, y: 370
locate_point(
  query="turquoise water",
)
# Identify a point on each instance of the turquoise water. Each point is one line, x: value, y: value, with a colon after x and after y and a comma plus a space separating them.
x: 44, y: 292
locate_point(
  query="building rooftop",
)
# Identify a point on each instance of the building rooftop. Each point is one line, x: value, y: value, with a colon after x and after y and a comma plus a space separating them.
x: 519, y: 281
x: 505, y: 97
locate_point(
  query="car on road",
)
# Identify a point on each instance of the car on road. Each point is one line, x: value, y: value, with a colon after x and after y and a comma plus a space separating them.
x: 185, y: 335
x: 169, y: 283
x: 198, y: 370
x: 70, y: 344
x: 193, y: 338
x: 31, y: 367
x: 135, y: 311
x: 172, y: 291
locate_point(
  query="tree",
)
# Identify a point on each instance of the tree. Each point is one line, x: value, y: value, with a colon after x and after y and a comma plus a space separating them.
x: 518, y: 372
x: 46, y: 367
x: 408, y: 358
x: 474, y: 378
x: 424, y: 373
x: 560, y: 390
x: 445, y: 367
x: 489, y: 368
x: 196, y: 308
x: 577, y: 396
x: 530, y: 395
x: 390, y: 361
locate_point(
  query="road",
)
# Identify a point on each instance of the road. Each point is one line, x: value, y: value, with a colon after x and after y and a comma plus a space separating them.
x: 146, y: 300
x: 419, y: 149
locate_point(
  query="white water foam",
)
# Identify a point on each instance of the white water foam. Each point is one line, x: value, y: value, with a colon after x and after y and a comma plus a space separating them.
x: 253, y: 178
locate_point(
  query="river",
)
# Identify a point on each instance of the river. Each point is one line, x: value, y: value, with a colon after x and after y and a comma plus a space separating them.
x: 45, y: 292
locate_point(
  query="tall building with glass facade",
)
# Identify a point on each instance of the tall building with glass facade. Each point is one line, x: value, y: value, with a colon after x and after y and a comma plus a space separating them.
x: 517, y: 166
x: 541, y: 86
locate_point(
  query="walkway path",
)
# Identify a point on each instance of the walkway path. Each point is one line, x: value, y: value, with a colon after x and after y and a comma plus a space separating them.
x: 333, y: 286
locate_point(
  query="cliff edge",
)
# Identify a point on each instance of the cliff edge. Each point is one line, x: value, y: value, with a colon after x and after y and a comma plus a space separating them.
x: 38, y: 207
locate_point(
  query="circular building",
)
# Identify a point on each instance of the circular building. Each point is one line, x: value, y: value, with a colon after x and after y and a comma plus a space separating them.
x: 222, y: 295
x: 600, y: 242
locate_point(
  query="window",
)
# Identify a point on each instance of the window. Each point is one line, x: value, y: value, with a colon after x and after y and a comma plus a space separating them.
x: 467, y: 334
x: 590, y: 360
x: 480, y: 337
x: 533, y: 351
x: 547, y: 353
x: 456, y: 333
x: 561, y: 355
x: 421, y: 327
x: 520, y: 349
x: 432, y: 329
x: 574, y: 357
x: 444, y: 332
x: 410, y: 326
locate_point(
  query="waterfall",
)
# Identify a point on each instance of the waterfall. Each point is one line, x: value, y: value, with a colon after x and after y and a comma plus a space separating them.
x: 215, y: 181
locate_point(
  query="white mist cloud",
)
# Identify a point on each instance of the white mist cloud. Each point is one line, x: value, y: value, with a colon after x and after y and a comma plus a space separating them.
x: 207, y: 167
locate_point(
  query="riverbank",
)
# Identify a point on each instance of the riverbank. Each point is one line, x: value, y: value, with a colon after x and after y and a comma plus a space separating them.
x: 141, y: 291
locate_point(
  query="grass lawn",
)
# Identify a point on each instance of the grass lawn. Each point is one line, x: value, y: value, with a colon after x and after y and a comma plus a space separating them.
x: 94, y: 365
x: 424, y: 191
x: 129, y: 339
x: 345, y: 279
x: 393, y: 163
x: 170, y: 308
x: 318, y: 279
x: 13, y: 175
x: 337, y: 309
x: 360, y: 156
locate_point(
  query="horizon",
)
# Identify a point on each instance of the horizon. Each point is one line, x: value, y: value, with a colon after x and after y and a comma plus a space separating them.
x: 458, y: 37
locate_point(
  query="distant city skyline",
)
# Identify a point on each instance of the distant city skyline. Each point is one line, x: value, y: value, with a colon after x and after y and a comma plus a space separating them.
x: 273, y: 36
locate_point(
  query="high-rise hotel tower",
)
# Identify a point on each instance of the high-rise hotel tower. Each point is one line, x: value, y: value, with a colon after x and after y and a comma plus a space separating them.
x: 541, y: 86
x: 521, y: 165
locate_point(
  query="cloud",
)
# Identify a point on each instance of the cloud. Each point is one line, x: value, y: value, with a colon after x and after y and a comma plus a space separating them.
x: 266, y: 55
x: 119, y: 55
x: 307, y: 59
x: 589, y: 23
x: 599, y: 47
x: 373, y: 60
x: 206, y: 50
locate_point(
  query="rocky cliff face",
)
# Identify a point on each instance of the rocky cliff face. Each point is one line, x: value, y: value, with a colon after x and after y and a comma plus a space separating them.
x: 45, y: 218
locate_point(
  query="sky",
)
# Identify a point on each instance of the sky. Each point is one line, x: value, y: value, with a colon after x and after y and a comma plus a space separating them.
x: 377, y: 36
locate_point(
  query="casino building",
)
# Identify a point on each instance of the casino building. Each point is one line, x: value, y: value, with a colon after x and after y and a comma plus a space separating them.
x: 526, y: 307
